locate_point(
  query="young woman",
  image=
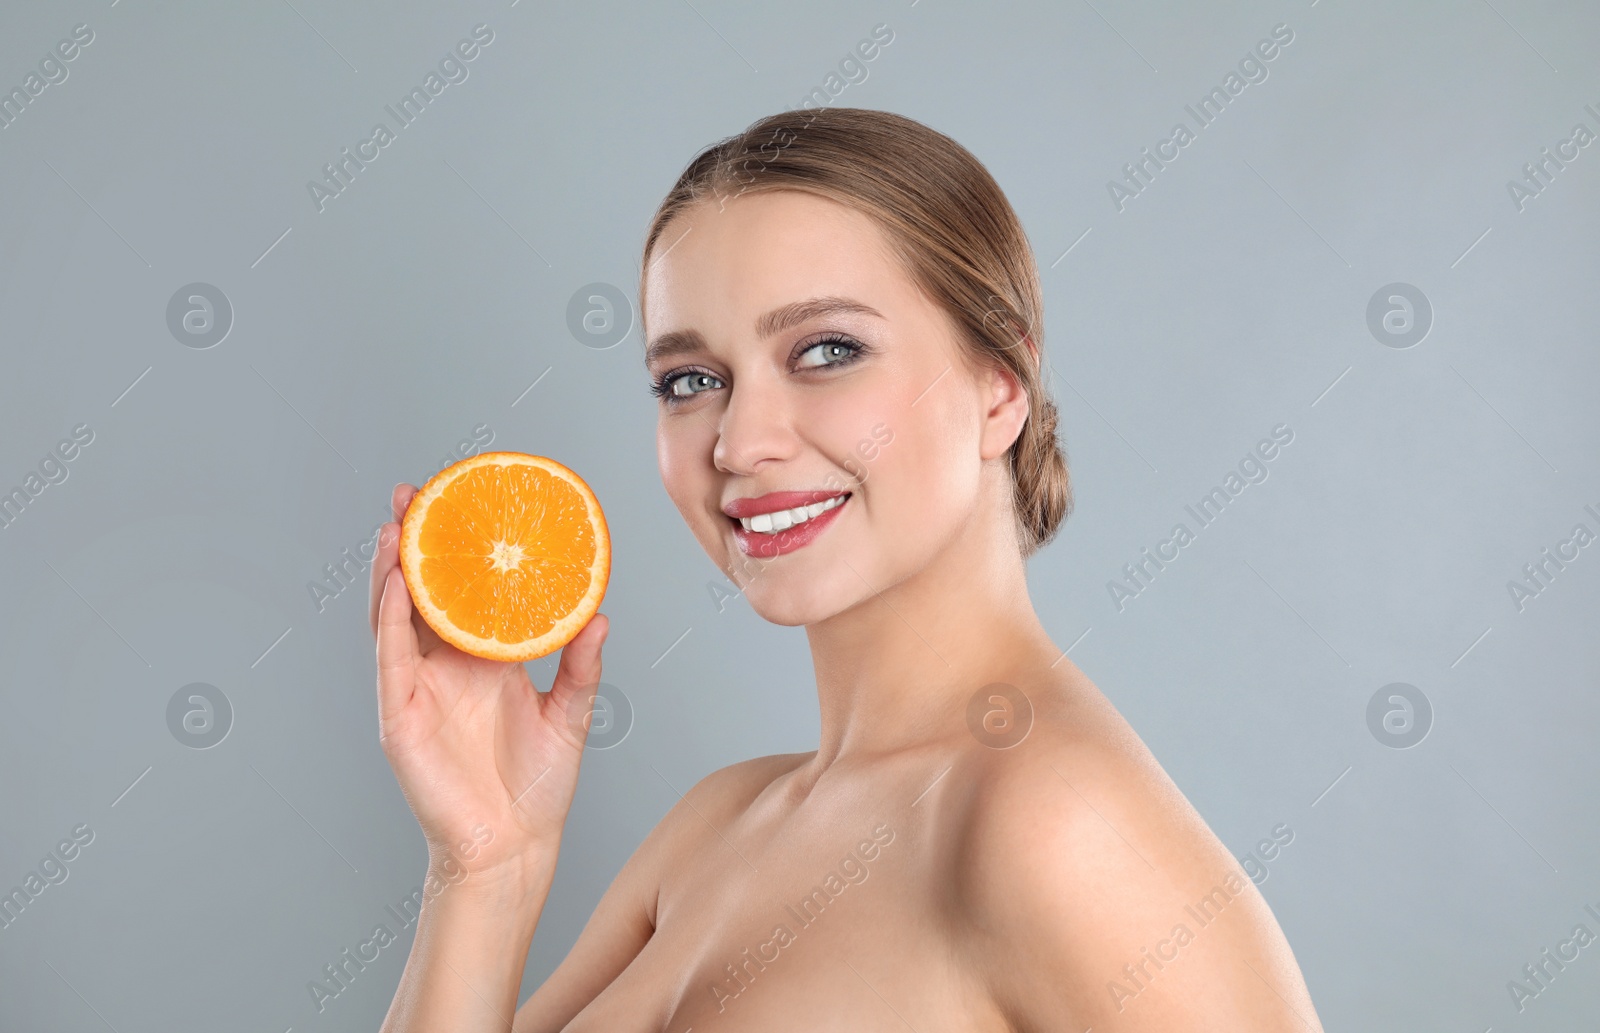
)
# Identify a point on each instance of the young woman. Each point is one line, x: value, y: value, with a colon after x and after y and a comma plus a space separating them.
x: 842, y: 319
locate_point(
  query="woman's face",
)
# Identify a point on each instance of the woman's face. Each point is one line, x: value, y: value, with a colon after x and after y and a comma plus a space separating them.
x: 773, y: 391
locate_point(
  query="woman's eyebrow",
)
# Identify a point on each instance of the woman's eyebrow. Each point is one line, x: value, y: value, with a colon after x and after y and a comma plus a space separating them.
x: 679, y: 342
x: 781, y: 319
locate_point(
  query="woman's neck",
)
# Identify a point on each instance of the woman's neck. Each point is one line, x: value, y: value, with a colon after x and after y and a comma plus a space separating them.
x: 897, y: 670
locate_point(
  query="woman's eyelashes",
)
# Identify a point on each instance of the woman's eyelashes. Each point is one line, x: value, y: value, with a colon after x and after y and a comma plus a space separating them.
x: 665, y: 386
x: 832, y: 351
x: 836, y: 349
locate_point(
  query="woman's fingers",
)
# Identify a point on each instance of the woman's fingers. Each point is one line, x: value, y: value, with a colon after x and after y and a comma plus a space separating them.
x: 388, y: 553
x: 579, y: 671
x: 383, y: 560
x: 401, y: 498
x: 397, y: 649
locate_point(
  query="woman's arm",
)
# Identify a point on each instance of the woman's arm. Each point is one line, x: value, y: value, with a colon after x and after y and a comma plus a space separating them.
x: 622, y: 922
x: 489, y: 766
x: 465, y: 968
x: 472, y: 940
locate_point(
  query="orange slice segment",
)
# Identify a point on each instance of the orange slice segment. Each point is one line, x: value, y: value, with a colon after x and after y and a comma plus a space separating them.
x: 506, y: 555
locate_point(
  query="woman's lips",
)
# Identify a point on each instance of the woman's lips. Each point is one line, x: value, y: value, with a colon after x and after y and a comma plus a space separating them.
x: 776, y: 500
x: 766, y: 546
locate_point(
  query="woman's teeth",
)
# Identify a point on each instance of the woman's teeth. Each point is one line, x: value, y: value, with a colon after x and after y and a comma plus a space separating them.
x: 783, y: 519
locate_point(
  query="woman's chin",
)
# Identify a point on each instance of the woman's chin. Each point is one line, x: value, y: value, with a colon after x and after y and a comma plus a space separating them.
x: 785, y: 610
x: 792, y: 605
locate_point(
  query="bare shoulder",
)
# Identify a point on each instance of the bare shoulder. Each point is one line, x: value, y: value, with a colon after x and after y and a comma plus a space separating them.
x: 738, y: 783
x: 1093, y: 893
x: 709, y: 804
x: 724, y: 794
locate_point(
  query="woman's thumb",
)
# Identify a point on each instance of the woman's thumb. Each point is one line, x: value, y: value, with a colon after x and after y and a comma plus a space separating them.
x: 579, y: 670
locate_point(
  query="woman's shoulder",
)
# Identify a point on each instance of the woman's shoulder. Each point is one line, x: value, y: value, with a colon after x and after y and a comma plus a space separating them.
x: 728, y: 791
x: 1078, y: 844
x: 1080, y: 787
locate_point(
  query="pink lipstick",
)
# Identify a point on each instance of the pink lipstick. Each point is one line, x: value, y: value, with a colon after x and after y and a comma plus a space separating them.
x: 776, y: 509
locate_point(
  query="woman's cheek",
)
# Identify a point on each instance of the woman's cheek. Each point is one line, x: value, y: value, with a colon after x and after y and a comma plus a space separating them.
x: 682, y: 464
x: 937, y: 460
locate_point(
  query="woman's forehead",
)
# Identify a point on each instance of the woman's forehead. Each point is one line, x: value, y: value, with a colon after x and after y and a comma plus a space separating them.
x: 759, y: 251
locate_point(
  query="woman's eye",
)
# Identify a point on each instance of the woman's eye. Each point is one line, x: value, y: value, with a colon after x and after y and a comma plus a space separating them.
x: 677, y: 387
x: 830, y: 352
x: 697, y: 380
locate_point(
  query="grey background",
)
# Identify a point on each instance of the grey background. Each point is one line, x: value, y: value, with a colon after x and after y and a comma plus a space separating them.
x: 373, y: 336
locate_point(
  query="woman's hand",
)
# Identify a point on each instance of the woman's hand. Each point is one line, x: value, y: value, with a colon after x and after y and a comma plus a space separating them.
x: 473, y: 744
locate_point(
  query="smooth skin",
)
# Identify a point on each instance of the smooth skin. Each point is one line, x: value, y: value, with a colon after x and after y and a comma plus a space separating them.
x: 960, y: 880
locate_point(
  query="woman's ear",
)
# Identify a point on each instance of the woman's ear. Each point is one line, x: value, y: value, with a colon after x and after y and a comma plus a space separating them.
x: 1006, y: 402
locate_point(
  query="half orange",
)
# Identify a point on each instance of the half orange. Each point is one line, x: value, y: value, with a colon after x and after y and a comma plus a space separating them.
x: 506, y: 555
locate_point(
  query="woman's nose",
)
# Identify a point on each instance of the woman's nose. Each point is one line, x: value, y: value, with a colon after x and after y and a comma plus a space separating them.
x: 755, y: 428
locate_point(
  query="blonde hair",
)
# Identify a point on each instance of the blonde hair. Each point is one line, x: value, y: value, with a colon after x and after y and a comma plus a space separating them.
x: 952, y: 227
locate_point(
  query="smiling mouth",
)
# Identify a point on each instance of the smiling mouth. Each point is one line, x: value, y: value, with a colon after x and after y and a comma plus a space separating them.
x: 783, y: 519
